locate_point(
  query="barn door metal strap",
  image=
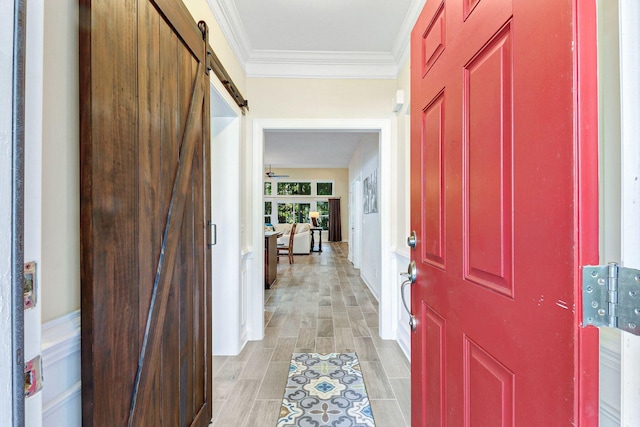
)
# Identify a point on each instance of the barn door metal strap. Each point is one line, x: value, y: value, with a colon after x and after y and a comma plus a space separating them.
x: 147, y: 363
x: 611, y: 297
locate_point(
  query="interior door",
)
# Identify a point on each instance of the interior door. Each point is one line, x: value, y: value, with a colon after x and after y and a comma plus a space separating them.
x: 503, y: 201
x: 146, y: 316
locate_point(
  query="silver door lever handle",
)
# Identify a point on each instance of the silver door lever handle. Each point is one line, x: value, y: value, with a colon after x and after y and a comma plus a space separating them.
x: 411, y: 276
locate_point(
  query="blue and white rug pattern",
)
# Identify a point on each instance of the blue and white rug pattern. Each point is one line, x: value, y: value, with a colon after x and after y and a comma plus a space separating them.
x: 325, y: 390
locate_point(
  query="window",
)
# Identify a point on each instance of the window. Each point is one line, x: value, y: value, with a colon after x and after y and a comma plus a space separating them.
x: 324, y: 188
x: 267, y: 212
x: 323, y: 210
x: 286, y: 202
x: 293, y: 212
x: 294, y: 189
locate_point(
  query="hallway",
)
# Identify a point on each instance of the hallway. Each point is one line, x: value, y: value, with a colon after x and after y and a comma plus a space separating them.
x: 319, y: 304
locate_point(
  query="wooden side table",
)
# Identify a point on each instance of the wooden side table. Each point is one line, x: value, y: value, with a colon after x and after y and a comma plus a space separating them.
x: 270, y: 258
x: 319, y: 230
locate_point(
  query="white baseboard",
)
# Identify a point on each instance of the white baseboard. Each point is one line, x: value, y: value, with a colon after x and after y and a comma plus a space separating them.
x: 404, y: 341
x: 371, y: 288
x: 61, y: 392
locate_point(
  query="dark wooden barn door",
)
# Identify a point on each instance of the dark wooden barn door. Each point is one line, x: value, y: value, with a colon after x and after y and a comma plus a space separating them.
x: 146, y: 314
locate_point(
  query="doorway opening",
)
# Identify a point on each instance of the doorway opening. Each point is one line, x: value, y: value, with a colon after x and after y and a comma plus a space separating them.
x: 387, y: 295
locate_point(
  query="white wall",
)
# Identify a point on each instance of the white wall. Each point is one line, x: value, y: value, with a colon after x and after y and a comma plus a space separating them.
x: 6, y: 77
x: 229, y: 292
x: 60, y: 266
x: 400, y: 165
x: 364, y: 162
x: 307, y: 99
x: 400, y: 214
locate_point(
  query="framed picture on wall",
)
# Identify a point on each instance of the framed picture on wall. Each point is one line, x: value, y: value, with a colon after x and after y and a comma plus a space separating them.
x: 370, y: 189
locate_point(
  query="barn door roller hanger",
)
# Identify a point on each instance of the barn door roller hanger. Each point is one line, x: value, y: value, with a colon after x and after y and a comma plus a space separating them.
x: 611, y: 297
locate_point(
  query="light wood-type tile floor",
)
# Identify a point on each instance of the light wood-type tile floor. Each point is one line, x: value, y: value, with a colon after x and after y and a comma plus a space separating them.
x: 318, y: 304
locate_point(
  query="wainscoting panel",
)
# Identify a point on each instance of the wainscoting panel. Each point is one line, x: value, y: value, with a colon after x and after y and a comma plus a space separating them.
x: 61, y: 393
x: 400, y: 264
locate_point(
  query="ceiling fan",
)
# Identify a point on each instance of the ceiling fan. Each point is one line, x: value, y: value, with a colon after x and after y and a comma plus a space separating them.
x: 272, y: 174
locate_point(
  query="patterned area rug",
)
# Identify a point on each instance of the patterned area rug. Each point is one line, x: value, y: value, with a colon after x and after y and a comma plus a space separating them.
x: 325, y: 390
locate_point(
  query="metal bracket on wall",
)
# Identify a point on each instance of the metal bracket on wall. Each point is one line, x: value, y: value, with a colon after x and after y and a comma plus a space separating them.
x: 611, y: 297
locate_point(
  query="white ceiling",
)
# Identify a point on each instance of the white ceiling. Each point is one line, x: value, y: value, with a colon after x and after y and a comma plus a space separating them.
x: 317, y: 39
x: 312, y: 148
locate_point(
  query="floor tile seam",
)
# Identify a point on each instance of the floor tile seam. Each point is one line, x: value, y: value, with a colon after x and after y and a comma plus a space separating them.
x: 383, y: 367
x: 395, y: 396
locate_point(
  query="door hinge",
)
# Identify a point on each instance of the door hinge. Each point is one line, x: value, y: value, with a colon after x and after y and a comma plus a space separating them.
x: 611, y: 297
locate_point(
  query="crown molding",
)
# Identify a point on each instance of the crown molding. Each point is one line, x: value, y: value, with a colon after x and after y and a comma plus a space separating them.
x: 400, y: 50
x: 228, y: 18
x: 301, y: 64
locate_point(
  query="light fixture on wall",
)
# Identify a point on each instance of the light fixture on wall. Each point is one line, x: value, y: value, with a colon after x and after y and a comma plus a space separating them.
x: 314, y: 218
x: 397, y: 102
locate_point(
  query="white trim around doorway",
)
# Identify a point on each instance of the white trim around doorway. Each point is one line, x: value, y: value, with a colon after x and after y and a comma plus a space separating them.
x: 388, y: 296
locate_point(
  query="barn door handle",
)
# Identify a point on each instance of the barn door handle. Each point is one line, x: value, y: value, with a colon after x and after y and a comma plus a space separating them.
x: 411, y: 275
x: 214, y: 234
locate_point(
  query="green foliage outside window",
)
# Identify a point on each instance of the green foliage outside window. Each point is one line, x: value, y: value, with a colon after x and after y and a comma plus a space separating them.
x: 324, y: 188
x: 285, y: 213
x: 293, y: 212
x: 294, y: 189
x: 267, y: 212
x: 323, y: 210
x: 267, y: 188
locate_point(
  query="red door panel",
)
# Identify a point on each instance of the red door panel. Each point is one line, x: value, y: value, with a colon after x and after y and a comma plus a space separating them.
x: 488, y: 388
x: 495, y: 184
x: 433, y: 191
x: 487, y: 141
x: 433, y: 404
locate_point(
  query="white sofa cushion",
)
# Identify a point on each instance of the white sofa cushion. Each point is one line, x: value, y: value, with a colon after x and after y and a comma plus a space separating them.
x: 301, y: 240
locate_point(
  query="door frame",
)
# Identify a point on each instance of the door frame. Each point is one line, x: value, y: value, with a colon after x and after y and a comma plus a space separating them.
x: 355, y: 221
x: 620, y: 218
x: 388, y: 324
x: 12, y: 212
x: 629, y: 13
x: 621, y: 350
x: 228, y: 291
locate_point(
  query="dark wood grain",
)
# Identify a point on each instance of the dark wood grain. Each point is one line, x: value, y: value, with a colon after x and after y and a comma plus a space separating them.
x: 108, y: 208
x: 183, y: 25
x: 150, y: 356
x: 144, y: 188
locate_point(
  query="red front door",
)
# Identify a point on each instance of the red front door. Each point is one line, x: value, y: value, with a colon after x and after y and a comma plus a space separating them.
x: 499, y: 211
